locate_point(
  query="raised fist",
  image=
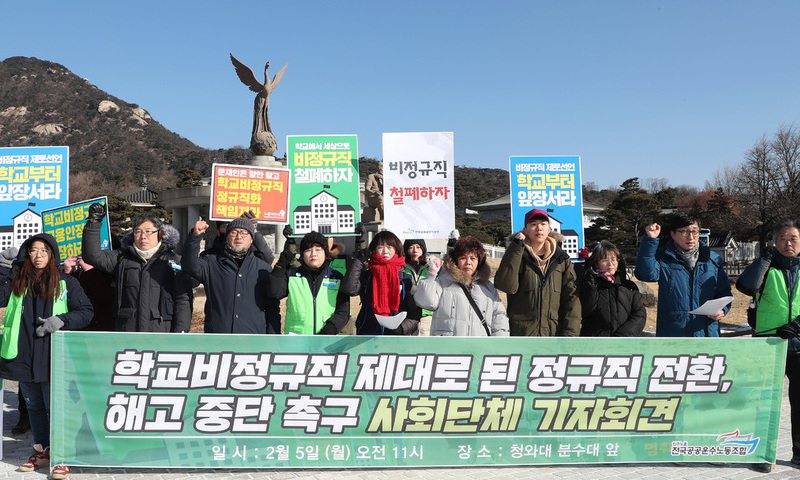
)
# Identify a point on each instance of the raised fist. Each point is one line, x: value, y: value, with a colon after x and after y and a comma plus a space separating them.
x: 249, y: 215
x: 200, y: 227
x: 97, y: 211
x: 653, y: 230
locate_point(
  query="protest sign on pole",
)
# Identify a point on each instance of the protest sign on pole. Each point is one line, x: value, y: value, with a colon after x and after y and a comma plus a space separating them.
x: 32, y: 179
x: 418, y: 184
x: 553, y: 184
x: 236, y: 189
x: 66, y: 224
x: 267, y: 401
x: 324, y: 179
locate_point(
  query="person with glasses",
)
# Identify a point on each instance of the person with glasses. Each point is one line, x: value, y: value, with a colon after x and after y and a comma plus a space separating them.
x: 611, y: 304
x: 772, y: 281
x: 688, y: 275
x: 39, y: 300
x: 236, y: 280
x: 151, y: 293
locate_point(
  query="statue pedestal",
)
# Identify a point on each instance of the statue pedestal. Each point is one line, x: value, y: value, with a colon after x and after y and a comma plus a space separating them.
x: 265, y: 161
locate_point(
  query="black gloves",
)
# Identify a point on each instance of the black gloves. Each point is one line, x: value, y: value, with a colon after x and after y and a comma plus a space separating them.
x: 287, y: 230
x: 328, y: 329
x: 767, y: 252
x: 97, y: 211
x: 790, y: 330
x: 249, y: 215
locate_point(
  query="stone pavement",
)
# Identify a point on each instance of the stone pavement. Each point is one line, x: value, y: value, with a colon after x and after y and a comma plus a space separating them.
x: 17, y: 450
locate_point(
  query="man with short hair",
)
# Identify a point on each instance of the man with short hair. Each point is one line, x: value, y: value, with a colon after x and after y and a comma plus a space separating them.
x: 236, y: 280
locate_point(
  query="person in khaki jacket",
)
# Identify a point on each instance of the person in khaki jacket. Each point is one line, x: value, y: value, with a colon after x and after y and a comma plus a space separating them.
x: 540, y: 282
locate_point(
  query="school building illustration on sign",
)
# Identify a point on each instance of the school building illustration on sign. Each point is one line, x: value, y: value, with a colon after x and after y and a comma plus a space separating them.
x: 324, y: 215
x: 24, y: 225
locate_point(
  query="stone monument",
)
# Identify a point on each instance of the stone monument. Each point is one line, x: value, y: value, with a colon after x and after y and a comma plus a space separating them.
x: 262, y: 141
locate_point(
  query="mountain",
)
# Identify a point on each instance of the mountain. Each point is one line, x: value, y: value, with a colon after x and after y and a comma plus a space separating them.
x: 113, y: 143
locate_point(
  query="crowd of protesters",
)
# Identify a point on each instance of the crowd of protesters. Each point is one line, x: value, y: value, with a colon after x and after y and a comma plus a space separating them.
x: 143, y: 285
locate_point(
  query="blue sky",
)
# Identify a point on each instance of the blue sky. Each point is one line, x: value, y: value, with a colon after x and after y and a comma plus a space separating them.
x: 671, y: 89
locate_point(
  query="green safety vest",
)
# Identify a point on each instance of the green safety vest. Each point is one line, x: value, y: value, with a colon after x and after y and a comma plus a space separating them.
x: 13, y: 319
x: 773, y: 304
x: 423, y: 273
x: 340, y: 265
x: 306, y: 314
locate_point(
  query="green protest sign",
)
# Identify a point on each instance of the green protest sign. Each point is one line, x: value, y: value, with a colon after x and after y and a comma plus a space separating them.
x: 252, y: 401
x: 324, y: 183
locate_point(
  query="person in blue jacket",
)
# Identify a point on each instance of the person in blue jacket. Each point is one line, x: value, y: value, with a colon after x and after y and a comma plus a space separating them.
x: 688, y: 274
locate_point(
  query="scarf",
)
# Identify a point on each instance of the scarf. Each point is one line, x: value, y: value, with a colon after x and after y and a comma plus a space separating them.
x: 690, y: 256
x: 236, y: 255
x: 385, y: 283
x: 607, y: 275
x: 147, y: 254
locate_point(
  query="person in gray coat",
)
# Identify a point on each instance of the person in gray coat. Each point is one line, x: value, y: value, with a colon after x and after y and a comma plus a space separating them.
x: 465, y: 275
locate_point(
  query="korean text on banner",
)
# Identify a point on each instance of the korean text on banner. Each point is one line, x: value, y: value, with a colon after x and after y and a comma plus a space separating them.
x: 66, y: 224
x: 553, y: 184
x: 236, y: 189
x: 418, y: 184
x: 324, y: 179
x: 266, y: 401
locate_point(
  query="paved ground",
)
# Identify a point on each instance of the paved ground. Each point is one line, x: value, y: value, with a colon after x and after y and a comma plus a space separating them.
x: 16, y: 451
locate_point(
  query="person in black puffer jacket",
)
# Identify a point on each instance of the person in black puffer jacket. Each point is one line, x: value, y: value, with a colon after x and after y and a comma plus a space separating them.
x: 151, y: 294
x: 611, y: 304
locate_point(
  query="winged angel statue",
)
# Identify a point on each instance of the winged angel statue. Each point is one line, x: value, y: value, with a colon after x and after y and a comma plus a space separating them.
x: 262, y: 141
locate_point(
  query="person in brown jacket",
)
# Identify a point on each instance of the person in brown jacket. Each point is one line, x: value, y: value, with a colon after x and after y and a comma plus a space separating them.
x: 540, y: 282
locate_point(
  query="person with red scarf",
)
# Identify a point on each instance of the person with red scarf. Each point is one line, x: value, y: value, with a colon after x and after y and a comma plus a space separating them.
x: 383, y: 286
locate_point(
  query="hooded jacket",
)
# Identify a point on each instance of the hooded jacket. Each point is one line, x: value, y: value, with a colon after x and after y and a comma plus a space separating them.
x: 453, y: 315
x: 610, y: 309
x: 152, y: 296
x: 681, y: 289
x: 542, y: 304
x: 237, y: 295
x: 32, y: 363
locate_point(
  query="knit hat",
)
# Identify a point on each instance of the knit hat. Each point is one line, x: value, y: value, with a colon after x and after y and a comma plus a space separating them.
x: 243, y: 224
x: 314, y: 238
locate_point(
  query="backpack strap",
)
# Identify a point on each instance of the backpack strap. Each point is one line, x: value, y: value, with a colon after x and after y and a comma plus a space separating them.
x: 475, y: 307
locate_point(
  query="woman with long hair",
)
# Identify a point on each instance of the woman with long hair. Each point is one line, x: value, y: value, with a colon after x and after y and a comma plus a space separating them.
x: 39, y: 300
x: 384, y: 288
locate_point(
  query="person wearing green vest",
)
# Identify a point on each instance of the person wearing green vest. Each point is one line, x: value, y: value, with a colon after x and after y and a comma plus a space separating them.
x: 314, y: 302
x: 416, y: 268
x: 39, y: 300
x: 772, y: 280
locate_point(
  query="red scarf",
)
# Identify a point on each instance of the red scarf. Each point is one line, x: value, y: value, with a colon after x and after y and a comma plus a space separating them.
x: 385, y: 283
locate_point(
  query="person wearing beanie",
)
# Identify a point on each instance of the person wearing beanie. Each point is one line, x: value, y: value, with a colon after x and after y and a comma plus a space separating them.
x: 315, y: 304
x: 384, y: 288
x: 540, y: 281
x: 151, y: 294
x: 416, y: 268
x: 688, y: 275
x: 236, y: 280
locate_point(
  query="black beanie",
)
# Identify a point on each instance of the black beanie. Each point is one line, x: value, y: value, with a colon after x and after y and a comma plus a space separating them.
x: 243, y: 224
x: 312, y: 238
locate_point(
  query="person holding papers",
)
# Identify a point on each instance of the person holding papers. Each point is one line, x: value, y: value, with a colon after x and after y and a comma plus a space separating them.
x: 688, y: 274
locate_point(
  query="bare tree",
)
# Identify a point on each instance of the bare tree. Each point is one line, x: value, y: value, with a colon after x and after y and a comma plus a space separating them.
x: 654, y: 185
x: 756, y: 188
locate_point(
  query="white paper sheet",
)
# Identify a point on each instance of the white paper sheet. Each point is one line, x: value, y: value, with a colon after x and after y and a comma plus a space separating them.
x: 391, y: 321
x: 712, y: 306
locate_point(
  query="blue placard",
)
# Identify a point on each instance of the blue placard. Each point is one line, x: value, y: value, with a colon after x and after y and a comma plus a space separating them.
x: 66, y: 224
x: 32, y: 179
x: 552, y: 184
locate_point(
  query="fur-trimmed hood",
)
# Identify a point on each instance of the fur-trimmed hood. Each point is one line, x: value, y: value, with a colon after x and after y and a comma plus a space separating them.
x: 482, y: 275
x: 170, y: 239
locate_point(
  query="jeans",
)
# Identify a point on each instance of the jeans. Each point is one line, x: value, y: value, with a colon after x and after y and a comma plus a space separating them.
x: 37, y: 398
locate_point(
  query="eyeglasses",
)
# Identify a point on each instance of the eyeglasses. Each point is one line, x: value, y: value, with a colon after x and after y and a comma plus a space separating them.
x: 143, y: 233
x: 38, y: 253
x: 789, y: 238
x: 688, y: 232
x: 608, y: 261
x: 238, y: 233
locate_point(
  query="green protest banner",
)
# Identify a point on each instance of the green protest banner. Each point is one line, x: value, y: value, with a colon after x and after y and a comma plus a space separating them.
x: 270, y: 401
x: 324, y: 183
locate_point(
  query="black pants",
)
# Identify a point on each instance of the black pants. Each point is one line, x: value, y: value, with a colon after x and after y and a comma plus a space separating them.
x: 793, y: 374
